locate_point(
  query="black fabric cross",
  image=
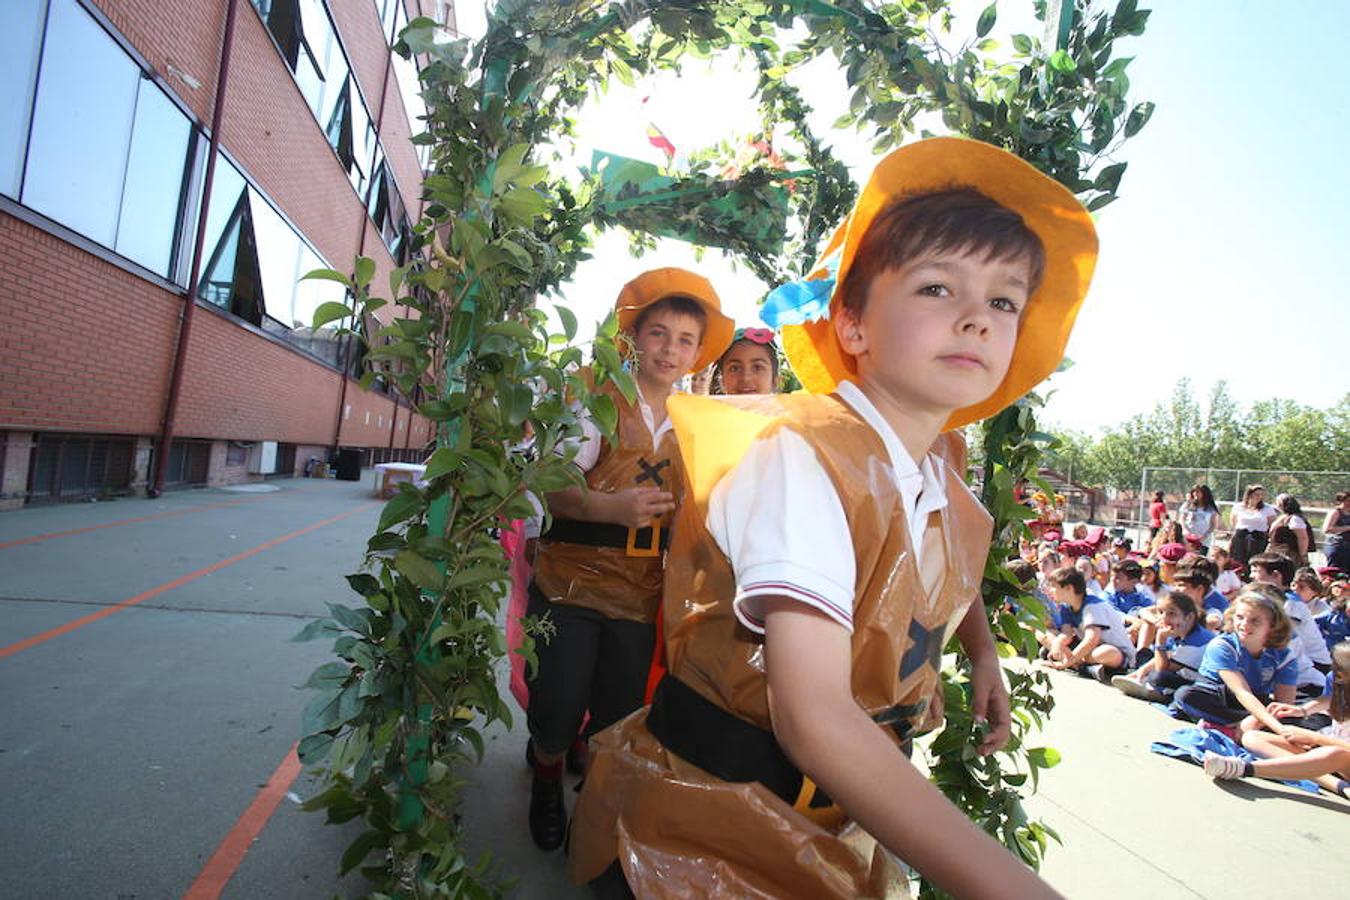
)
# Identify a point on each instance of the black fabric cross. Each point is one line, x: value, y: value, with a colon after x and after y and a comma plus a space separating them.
x: 652, y: 471
x: 927, y: 648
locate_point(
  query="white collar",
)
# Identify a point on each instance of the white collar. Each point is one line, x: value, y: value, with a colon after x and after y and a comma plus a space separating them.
x: 649, y: 417
x: 923, y: 486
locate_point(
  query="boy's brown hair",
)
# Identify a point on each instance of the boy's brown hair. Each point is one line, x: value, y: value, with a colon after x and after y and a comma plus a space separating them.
x: 1340, y: 681
x: 1130, y: 568
x: 685, y: 306
x: 957, y: 220
x: 1068, y: 577
x: 1270, y: 600
x: 1275, y: 562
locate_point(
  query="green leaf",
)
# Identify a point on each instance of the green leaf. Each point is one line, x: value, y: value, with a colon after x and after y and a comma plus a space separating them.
x: 365, y: 270
x: 1061, y: 61
x: 569, y: 322
x: 329, y: 311
x: 1109, y: 178
x: 364, y: 584
x: 404, y: 505
x: 442, y: 462
x: 420, y: 571
x: 1043, y: 757
x: 317, y: 629
x: 360, y: 849
x: 605, y: 413
x: 326, y: 275
x: 987, y: 19
x: 385, y: 540
x: 1138, y: 118
x: 1021, y: 43
x: 328, y: 676
x: 321, y: 714
x: 315, y: 748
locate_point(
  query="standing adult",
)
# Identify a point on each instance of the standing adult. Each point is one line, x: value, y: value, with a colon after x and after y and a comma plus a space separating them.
x: 1290, y: 532
x: 1157, y: 511
x: 1251, y: 523
x: 1199, y: 516
x: 1337, y: 545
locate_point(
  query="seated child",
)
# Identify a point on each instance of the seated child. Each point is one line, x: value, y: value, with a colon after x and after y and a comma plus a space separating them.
x: 1294, y: 752
x: 1228, y: 583
x: 1179, y: 644
x: 750, y: 365
x: 1335, y: 624
x: 1310, y: 589
x: 1193, y: 580
x: 1124, y: 594
x: 1085, y: 565
x: 1100, y: 637
x: 1242, y: 671
x: 1149, y: 583
x: 824, y: 572
x: 1314, y: 659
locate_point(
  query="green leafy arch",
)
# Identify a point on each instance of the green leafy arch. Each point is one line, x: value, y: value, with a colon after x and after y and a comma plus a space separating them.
x: 398, y: 717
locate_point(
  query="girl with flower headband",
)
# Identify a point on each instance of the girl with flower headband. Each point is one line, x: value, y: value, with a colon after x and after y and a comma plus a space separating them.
x: 750, y: 365
x: 827, y: 548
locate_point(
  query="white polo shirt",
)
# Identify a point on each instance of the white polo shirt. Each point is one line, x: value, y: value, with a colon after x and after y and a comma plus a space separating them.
x: 780, y: 522
x: 588, y: 450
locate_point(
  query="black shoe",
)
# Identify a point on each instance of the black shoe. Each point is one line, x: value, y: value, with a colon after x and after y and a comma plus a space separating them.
x: 578, y: 755
x: 548, y: 815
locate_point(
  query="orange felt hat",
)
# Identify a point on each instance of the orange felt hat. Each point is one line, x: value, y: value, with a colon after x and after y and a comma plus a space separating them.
x: 658, y: 284
x: 1047, y: 207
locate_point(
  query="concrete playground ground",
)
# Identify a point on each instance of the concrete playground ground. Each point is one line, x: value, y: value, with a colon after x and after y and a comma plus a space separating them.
x: 148, y: 714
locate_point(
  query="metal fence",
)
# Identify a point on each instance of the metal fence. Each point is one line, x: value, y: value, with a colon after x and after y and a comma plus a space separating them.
x: 1316, y: 491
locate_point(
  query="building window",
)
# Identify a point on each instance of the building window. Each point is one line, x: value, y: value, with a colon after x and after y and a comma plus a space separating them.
x: 188, y: 463
x: 70, y: 466
x: 389, y: 214
x: 21, y: 24
x: 108, y: 153
x: 308, y: 42
x: 253, y: 265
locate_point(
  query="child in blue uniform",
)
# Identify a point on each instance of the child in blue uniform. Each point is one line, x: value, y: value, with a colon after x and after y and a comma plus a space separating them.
x: 1243, y: 671
x: 1102, y: 638
x: 1178, y: 647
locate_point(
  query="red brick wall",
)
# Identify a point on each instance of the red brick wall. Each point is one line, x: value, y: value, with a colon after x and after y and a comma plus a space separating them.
x: 85, y: 346
x: 185, y: 33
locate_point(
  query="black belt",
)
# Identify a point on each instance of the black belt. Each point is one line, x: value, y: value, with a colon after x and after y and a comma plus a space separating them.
x: 649, y: 541
x: 704, y: 734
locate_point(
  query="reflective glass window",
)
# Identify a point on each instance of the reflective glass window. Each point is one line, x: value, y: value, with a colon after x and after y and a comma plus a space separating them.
x: 153, y: 191
x: 20, y: 40
x: 86, y: 100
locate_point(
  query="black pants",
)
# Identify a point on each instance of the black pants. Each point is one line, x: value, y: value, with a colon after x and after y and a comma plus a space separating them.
x: 1213, y: 702
x: 1246, y: 544
x: 1167, y: 682
x: 593, y: 663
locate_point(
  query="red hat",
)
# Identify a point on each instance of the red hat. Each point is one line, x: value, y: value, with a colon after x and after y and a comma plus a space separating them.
x: 1096, y: 535
x: 1075, y: 549
x: 1052, y: 536
x: 1171, y: 552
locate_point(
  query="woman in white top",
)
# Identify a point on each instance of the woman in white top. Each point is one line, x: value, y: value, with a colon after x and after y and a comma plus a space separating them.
x: 1251, y: 522
x: 1200, y: 516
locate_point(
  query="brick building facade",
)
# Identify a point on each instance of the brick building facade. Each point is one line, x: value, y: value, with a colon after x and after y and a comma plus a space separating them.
x: 105, y: 129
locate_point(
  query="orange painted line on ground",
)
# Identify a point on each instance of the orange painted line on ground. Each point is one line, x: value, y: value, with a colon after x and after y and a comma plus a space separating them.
x: 220, y: 868
x: 150, y: 518
x: 20, y: 646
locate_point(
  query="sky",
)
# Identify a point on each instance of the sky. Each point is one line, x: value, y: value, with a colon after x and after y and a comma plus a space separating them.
x: 1223, y: 258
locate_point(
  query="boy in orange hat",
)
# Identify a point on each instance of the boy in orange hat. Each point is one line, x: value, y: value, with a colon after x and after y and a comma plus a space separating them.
x: 810, y: 591
x: 598, y: 569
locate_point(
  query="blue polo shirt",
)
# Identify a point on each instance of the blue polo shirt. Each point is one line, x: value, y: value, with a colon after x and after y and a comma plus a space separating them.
x: 1189, y: 651
x: 1128, y: 601
x: 1215, y: 601
x: 1272, y: 667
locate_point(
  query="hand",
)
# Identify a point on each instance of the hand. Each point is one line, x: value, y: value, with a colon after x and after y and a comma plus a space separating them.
x: 1164, y: 632
x: 989, y: 703
x: 636, y: 507
x: 1284, y: 710
x: 937, y: 707
x: 1300, y: 739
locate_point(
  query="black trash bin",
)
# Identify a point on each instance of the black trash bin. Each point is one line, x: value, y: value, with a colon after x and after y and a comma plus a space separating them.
x: 349, y: 465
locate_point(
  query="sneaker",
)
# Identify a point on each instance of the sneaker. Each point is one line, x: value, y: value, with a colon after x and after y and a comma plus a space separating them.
x: 548, y: 814
x: 1226, y: 767
x: 1097, y: 672
x: 578, y: 755
x: 1132, y: 687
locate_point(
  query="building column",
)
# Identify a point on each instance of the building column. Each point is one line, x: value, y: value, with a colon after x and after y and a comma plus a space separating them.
x: 17, y: 451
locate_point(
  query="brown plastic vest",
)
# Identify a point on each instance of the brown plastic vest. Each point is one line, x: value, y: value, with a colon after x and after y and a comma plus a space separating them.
x: 902, y: 617
x: 618, y: 582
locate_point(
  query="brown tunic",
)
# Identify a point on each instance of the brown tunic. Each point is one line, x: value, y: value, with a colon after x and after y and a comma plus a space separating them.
x: 681, y: 832
x: 618, y: 582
